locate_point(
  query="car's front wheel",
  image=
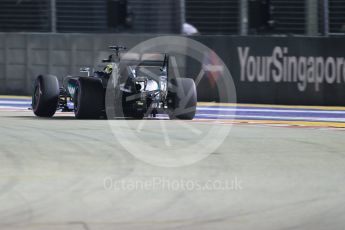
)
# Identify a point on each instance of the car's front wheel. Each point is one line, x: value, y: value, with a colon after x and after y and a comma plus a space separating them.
x: 182, y: 99
x: 45, y: 96
x: 89, y: 98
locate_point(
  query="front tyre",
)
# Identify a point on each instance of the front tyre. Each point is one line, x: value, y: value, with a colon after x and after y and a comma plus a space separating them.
x: 89, y: 98
x: 182, y: 99
x: 45, y: 96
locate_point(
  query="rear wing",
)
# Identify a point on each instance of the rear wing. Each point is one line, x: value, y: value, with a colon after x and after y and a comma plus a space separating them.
x: 146, y: 60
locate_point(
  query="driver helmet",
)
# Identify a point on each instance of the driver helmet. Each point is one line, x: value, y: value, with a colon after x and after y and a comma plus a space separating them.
x: 108, y: 69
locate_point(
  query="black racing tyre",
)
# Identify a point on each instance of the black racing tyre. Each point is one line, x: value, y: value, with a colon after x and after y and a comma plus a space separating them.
x: 136, y: 115
x: 45, y: 96
x: 129, y: 107
x: 182, y: 99
x: 122, y: 108
x: 89, y: 98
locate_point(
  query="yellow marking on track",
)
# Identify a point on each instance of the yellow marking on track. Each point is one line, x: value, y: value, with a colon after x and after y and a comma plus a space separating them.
x: 315, y: 124
x: 14, y: 97
x: 294, y: 123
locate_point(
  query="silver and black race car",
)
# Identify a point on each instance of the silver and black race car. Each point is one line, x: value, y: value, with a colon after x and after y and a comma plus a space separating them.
x: 129, y: 86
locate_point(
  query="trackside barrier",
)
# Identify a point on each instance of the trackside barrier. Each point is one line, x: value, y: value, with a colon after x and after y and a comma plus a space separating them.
x: 283, y: 70
x: 274, y: 70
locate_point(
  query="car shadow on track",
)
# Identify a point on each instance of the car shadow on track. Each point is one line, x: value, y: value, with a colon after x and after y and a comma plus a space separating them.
x: 73, y: 118
x: 40, y: 118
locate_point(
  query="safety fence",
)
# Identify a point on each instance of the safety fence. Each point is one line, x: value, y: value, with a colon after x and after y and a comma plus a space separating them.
x: 210, y: 17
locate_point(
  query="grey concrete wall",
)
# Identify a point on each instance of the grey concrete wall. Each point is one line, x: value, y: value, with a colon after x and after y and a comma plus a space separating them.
x: 24, y: 56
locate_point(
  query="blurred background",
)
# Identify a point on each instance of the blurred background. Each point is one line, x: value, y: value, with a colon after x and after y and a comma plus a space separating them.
x: 233, y: 17
x: 61, y: 36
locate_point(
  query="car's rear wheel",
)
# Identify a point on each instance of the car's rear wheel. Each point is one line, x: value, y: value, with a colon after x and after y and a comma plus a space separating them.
x: 182, y: 99
x: 133, y: 114
x: 45, y: 96
x: 89, y: 98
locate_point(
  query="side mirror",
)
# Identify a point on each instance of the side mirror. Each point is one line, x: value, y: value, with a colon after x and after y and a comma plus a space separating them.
x: 85, y: 70
x: 110, y: 58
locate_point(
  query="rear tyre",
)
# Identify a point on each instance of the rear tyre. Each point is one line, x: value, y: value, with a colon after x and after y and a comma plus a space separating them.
x: 182, y: 99
x: 45, y: 96
x: 135, y: 115
x: 89, y: 98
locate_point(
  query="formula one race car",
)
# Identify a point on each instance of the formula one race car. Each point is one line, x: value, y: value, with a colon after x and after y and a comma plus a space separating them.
x: 136, y: 86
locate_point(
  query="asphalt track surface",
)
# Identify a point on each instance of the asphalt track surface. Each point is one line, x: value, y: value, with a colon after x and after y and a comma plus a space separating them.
x: 283, y: 166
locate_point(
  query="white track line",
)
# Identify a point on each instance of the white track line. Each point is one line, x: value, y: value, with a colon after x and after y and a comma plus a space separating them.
x: 270, y: 110
x: 15, y: 102
x: 13, y: 107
